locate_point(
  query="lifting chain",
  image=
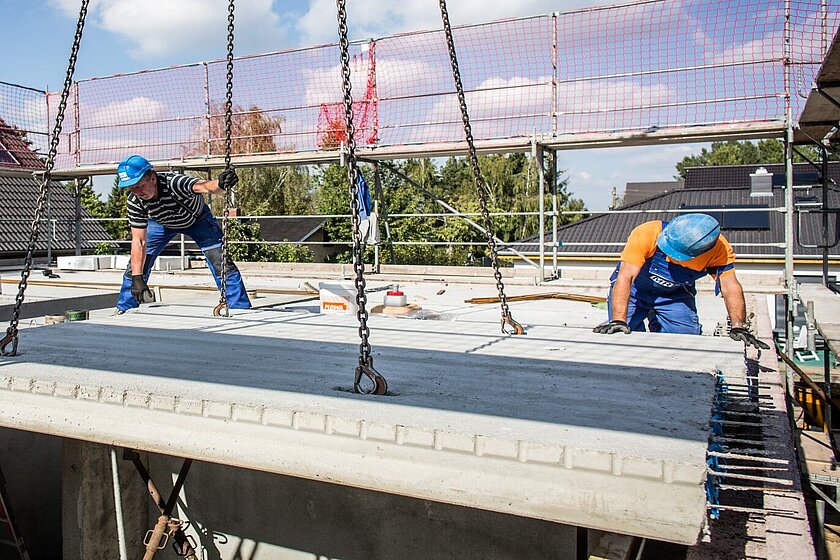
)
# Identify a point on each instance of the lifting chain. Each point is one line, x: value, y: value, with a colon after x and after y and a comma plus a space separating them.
x: 222, y: 310
x: 365, y: 366
x: 507, y: 319
x: 12, y: 332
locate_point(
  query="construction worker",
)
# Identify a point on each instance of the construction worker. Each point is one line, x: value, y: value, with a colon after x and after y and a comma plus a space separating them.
x: 161, y: 206
x: 655, y: 279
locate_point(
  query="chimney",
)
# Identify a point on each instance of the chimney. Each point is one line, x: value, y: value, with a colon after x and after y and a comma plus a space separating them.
x: 761, y: 183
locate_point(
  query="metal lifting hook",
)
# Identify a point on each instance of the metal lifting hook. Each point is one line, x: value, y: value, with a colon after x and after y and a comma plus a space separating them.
x: 380, y: 386
x: 508, y: 320
x: 11, y: 337
x: 222, y: 305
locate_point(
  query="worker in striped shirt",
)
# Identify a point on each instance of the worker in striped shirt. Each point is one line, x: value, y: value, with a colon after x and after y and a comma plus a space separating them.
x: 654, y: 281
x: 161, y: 206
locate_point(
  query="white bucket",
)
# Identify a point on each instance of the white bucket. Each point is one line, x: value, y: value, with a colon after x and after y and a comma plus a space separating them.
x: 395, y: 298
x: 338, y: 297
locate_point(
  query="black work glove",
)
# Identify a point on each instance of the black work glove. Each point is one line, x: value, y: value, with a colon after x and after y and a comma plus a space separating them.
x: 745, y: 336
x: 228, y: 179
x: 612, y: 327
x: 139, y: 289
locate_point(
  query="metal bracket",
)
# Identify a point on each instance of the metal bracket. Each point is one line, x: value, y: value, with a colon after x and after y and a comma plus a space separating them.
x: 823, y: 211
x: 167, y: 525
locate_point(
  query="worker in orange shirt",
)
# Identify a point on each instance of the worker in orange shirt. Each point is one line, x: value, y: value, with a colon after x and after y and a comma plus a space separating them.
x: 655, y: 279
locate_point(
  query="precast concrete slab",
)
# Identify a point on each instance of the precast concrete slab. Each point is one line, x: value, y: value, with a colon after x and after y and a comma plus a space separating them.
x: 560, y: 424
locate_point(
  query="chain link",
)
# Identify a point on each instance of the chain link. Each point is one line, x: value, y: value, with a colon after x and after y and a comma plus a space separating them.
x: 228, y: 192
x: 353, y: 176
x: 481, y: 188
x: 12, y: 330
x: 365, y: 358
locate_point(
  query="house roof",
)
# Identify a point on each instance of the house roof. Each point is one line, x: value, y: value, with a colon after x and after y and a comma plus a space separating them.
x: 734, y: 176
x: 636, y: 192
x: 18, y: 196
x: 708, y: 187
x: 15, y: 152
x: 289, y: 229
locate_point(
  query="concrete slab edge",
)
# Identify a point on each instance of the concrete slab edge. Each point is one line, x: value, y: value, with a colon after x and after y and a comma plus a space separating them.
x: 542, y: 481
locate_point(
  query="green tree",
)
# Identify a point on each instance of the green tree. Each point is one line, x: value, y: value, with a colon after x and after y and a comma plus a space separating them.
x: 115, y: 208
x: 746, y: 152
x: 258, y: 252
x: 511, y: 183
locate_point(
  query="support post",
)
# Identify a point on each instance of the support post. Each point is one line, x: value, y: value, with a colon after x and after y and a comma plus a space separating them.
x: 50, y: 225
x: 78, y: 217
x: 118, y: 509
x: 538, y: 155
x: 790, y: 285
x: 554, y: 214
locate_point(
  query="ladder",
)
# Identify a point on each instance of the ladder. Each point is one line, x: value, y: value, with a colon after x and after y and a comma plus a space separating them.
x: 11, y: 543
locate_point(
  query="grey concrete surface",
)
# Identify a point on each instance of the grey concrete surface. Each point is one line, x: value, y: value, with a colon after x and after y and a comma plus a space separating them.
x: 560, y: 425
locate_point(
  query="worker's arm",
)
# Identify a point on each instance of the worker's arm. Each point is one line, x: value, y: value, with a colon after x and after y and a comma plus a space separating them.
x: 620, y: 293
x: 620, y: 296
x: 138, y: 250
x: 139, y: 289
x: 227, y: 179
x: 733, y: 297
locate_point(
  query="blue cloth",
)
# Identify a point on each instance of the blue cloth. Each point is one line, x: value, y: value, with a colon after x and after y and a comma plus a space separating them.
x: 207, y: 233
x: 663, y: 293
x: 363, y: 195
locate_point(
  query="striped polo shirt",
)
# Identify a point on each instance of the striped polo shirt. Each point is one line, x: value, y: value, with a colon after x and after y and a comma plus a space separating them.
x: 177, y: 205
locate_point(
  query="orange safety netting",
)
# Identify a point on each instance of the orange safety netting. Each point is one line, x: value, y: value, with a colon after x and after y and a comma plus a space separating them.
x: 332, y: 130
x: 632, y: 68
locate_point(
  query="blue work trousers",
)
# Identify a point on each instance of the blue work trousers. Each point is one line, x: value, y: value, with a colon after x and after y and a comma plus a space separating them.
x: 665, y: 312
x: 207, y: 233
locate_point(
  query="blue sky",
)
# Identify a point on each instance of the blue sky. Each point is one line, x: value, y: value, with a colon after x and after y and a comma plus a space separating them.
x: 127, y: 35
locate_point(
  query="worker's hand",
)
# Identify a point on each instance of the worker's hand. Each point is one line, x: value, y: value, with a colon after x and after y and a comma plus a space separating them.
x: 747, y: 338
x: 612, y: 327
x: 139, y: 289
x: 228, y: 179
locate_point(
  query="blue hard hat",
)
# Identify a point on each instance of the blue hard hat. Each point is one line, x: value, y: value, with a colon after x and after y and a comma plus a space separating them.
x: 688, y: 236
x: 131, y: 169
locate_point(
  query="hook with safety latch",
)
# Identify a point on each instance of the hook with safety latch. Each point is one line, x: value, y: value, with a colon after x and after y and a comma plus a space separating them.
x: 508, y: 321
x: 380, y: 386
x: 221, y: 309
x: 10, y: 338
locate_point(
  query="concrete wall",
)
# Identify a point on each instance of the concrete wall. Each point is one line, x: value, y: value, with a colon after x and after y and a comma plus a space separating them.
x: 240, y: 514
x: 31, y: 464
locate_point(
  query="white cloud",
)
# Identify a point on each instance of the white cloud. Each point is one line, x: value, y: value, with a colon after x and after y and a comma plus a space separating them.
x: 373, y: 18
x: 663, y: 157
x: 751, y: 51
x: 136, y: 109
x: 184, y: 28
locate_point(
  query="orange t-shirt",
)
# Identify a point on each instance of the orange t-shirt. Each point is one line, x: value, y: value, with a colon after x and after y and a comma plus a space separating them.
x: 641, y: 245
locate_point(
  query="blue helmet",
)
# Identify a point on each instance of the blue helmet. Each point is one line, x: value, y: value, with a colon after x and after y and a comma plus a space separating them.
x: 131, y: 169
x: 688, y: 236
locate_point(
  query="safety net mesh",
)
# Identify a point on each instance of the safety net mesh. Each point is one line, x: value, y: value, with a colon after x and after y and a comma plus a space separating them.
x: 631, y: 68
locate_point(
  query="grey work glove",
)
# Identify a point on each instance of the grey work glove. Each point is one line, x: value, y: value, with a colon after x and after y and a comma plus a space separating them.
x: 612, y: 327
x: 749, y: 339
x: 228, y: 179
x: 139, y: 289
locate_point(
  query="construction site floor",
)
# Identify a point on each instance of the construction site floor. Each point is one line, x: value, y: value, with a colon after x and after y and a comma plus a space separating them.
x: 561, y: 424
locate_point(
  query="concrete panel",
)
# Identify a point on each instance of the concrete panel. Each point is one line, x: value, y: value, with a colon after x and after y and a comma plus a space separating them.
x: 89, y: 262
x: 556, y: 425
x: 59, y: 306
x: 89, y: 522
x: 239, y: 513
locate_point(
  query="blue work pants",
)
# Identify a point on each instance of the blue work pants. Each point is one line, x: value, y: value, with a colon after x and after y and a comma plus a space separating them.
x: 665, y: 312
x: 207, y: 234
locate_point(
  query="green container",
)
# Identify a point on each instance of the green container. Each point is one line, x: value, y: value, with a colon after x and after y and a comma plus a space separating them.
x: 76, y: 315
